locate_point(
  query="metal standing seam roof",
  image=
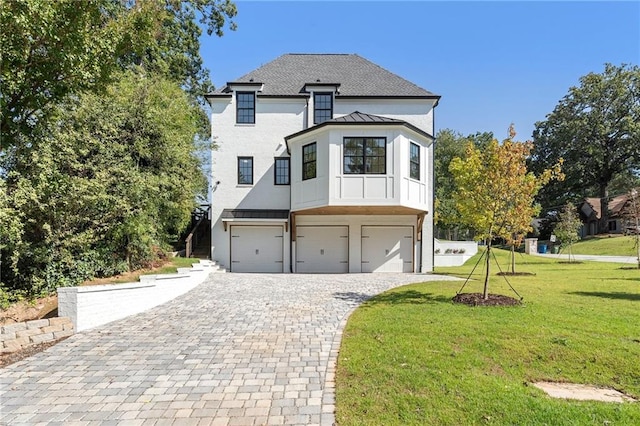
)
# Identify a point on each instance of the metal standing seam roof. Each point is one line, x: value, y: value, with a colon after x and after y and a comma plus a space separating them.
x: 230, y: 214
x: 288, y: 74
x: 356, y: 118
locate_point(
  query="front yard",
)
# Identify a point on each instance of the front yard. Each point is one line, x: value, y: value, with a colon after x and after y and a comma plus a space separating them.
x: 411, y: 356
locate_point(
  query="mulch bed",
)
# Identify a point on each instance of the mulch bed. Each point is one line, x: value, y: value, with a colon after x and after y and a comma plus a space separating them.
x: 475, y: 299
x: 516, y: 274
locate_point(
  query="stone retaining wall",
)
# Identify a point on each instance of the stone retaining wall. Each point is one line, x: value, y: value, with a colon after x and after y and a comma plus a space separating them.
x: 14, y: 337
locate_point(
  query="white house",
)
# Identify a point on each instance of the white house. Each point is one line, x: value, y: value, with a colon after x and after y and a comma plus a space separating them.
x: 324, y: 165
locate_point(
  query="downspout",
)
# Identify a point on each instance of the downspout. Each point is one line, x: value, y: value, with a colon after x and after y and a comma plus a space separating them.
x: 433, y: 189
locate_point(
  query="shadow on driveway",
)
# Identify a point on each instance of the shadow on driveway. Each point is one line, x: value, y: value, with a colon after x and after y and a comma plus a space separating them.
x: 399, y: 297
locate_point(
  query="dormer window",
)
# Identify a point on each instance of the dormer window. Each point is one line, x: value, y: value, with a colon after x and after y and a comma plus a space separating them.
x: 322, y: 107
x: 245, y: 107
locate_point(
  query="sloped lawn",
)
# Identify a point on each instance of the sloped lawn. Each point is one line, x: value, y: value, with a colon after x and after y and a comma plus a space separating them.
x: 411, y: 356
x: 612, y: 246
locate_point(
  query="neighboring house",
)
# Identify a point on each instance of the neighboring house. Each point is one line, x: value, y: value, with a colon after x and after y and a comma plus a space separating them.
x: 591, y: 213
x: 325, y: 165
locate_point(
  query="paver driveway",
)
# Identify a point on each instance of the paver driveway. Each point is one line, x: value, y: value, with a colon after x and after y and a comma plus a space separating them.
x: 240, y: 349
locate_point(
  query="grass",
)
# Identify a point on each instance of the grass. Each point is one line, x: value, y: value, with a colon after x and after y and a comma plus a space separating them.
x: 612, y: 246
x: 169, y: 267
x: 410, y: 356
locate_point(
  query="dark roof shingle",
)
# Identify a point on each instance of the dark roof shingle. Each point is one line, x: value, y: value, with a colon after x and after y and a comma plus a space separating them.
x: 288, y: 74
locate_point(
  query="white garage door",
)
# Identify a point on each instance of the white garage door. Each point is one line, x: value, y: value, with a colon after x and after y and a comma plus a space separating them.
x: 387, y: 249
x: 256, y: 248
x: 322, y: 249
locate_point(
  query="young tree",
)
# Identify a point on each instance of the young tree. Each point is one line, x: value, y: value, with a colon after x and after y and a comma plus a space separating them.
x: 566, y: 229
x: 596, y: 129
x: 449, y: 145
x: 631, y: 213
x: 495, y: 192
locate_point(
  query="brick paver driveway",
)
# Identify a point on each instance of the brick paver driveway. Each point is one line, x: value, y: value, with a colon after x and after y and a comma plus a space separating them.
x: 240, y: 349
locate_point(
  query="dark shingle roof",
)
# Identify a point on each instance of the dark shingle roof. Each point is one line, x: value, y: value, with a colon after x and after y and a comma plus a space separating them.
x: 288, y: 74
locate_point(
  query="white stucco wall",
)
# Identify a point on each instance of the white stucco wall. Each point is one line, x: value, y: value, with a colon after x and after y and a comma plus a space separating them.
x: 264, y: 140
x: 417, y: 112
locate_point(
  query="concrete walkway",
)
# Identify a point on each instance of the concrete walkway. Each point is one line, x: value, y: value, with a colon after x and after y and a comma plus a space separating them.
x: 595, y: 258
x: 240, y: 349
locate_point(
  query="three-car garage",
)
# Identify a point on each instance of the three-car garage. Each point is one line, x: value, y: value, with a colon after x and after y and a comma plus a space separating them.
x: 322, y: 248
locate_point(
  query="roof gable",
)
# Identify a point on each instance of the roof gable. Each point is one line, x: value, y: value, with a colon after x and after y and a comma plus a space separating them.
x: 353, y: 75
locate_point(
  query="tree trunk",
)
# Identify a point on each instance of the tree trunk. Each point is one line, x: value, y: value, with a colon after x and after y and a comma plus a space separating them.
x: 513, y: 259
x: 603, y: 223
x: 485, y: 292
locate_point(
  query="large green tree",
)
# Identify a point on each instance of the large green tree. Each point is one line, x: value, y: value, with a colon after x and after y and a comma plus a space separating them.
x: 100, y: 119
x: 596, y: 129
x: 54, y: 49
x: 114, y: 179
x: 50, y: 49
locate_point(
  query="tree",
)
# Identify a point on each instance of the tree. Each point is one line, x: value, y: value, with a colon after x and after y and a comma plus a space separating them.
x: 100, y: 120
x: 596, y: 129
x: 55, y: 49
x: 450, y: 144
x: 631, y: 213
x: 495, y: 193
x: 50, y: 49
x: 566, y: 229
x: 114, y: 179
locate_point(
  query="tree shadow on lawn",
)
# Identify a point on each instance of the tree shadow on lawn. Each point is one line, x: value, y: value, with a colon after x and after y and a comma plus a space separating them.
x: 394, y: 298
x: 616, y: 295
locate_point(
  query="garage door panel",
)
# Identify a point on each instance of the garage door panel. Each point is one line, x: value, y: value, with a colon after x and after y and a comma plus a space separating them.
x: 257, y: 249
x: 322, y: 249
x: 387, y: 249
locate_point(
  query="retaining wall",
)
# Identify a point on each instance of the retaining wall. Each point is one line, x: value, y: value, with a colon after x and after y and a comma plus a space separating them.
x: 14, y: 337
x: 92, y: 306
x: 454, y: 259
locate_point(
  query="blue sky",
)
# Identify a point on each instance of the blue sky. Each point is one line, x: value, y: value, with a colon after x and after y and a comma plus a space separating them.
x: 493, y: 63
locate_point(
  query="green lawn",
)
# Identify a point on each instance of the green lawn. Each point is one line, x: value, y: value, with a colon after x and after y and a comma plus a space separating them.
x: 613, y: 246
x: 410, y: 356
x: 169, y: 267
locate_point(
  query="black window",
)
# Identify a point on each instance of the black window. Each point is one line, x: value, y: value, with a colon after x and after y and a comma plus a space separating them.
x: 365, y: 156
x: 309, y: 161
x: 245, y: 170
x: 322, y: 107
x: 246, y: 107
x: 414, y: 161
x: 282, y: 171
